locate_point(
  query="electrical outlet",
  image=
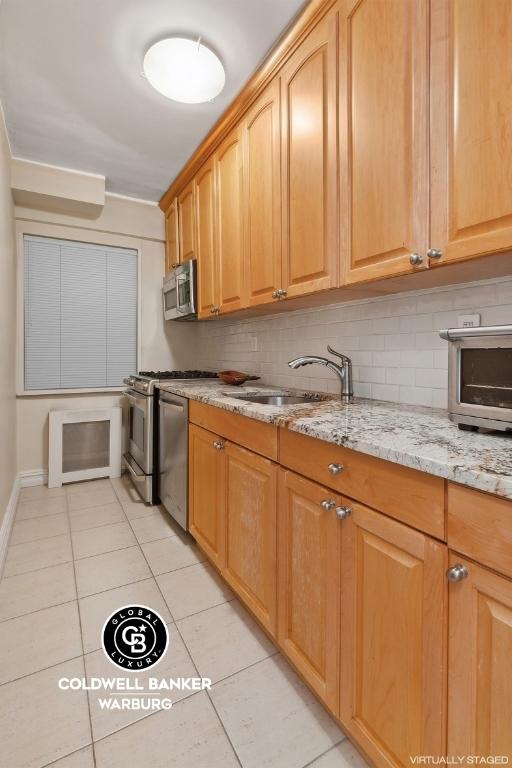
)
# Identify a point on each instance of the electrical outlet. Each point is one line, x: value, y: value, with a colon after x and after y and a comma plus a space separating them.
x: 468, y: 321
x: 254, y: 344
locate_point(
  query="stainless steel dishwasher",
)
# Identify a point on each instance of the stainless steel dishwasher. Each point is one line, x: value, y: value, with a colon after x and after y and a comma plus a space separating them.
x: 173, y: 456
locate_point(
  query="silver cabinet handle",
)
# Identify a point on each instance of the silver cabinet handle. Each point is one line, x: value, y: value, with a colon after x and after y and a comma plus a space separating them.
x: 327, y: 504
x: 335, y: 469
x: 343, y: 512
x: 457, y: 572
x: 176, y: 264
x: 434, y: 253
x: 212, y: 310
x: 218, y: 444
x: 281, y: 293
x: 275, y: 295
x: 415, y: 259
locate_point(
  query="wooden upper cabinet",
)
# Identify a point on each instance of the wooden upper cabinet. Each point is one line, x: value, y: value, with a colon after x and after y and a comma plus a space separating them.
x: 393, y: 589
x: 262, y: 162
x: 308, y: 582
x: 251, y: 487
x: 309, y: 162
x: 207, y: 493
x: 172, y: 254
x: 480, y: 663
x: 207, y: 283
x: 471, y: 124
x: 229, y: 221
x: 187, y: 223
x: 383, y: 137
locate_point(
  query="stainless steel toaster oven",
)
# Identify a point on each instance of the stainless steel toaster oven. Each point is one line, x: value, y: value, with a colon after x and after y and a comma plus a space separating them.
x: 480, y: 376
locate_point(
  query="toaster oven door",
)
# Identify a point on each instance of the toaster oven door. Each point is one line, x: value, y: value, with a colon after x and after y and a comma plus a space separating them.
x: 481, y: 378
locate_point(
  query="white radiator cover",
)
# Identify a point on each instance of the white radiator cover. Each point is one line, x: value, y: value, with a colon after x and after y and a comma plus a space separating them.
x: 83, y: 445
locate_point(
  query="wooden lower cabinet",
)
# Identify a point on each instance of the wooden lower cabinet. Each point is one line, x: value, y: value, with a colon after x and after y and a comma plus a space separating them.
x: 308, y: 583
x: 480, y: 663
x: 251, y: 502
x: 393, y: 623
x: 207, y: 493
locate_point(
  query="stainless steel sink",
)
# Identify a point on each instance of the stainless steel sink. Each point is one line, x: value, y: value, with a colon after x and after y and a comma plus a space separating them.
x: 279, y: 399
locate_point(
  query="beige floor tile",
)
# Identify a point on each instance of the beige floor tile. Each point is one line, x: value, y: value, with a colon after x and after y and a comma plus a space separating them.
x: 87, y: 486
x: 224, y: 640
x: 135, y: 509
x: 107, y: 538
x: 172, y: 553
x: 271, y: 717
x: 159, y: 525
x: 39, y: 528
x: 39, y: 640
x: 40, y: 723
x: 105, y: 514
x: 193, y: 589
x: 41, y: 492
x: 22, y: 558
x: 36, y: 590
x: 84, y: 758
x: 175, y: 663
x: 345, y: 755
x: 113, y: 569
x: 124, y: 489
x: 95, y: 610
x: 187, y: 736
x: 41, y: 507
x: 89, y: 499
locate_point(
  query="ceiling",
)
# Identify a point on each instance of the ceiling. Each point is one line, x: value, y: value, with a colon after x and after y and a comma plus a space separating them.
x: 73, y: 94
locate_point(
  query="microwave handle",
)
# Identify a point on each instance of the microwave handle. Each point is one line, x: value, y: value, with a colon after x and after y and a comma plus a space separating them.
x: 452, y: 334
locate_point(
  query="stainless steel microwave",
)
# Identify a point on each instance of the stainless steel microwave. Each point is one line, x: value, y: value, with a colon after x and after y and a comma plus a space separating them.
x: 180, y: 291
x: 480, y: 376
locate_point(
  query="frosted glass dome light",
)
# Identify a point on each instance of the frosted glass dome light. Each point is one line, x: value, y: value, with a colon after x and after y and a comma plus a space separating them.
x: 184, y: 70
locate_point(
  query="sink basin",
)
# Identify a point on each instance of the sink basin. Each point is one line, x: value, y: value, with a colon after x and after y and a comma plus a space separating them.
x: 279, y: 399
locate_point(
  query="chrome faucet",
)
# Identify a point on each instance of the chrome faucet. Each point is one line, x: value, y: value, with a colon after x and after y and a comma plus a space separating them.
x: 344, y: 371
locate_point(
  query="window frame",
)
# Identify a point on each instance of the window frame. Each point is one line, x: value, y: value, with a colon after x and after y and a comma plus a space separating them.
x: 74, y: 235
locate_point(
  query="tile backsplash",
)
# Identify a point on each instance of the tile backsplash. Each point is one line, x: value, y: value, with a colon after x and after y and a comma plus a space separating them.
x: 393, y: 341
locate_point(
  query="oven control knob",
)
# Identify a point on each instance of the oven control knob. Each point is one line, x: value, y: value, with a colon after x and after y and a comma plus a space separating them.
x: 145, y: 385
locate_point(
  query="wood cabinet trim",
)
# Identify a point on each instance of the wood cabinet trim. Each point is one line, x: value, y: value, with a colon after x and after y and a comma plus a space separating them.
x: 255, y: 435
x: 284, y: 48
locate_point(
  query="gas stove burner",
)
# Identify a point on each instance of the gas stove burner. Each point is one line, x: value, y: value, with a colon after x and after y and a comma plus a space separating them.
x: 178, y: 374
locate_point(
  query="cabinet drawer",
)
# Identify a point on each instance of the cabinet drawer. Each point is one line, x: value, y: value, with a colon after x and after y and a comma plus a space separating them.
x: 480, y: 526
x: 406, y: 494
x: 255, y: 435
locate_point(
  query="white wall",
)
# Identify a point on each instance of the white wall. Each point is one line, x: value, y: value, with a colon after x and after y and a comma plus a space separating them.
x: 393, y: 342
x: 7, y: 326
x: 126, y: 222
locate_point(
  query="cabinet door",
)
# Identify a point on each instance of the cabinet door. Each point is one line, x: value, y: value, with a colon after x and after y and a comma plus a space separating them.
x: 251, y: 501
x: 207, y: 493
x: 230, y: 236
x: 262, y: 160
x: 471, y: 144
x: 308, y: 583
x: 172, y: 254
x: 187, y: 223
x: 383, y: 137
x: 309, y: 162
x: 205, y: 238
x: 480, y: 663
x: 393, y: 589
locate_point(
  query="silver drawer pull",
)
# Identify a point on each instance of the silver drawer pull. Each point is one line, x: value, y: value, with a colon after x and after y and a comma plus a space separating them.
x: 457, y: 572
x: 218, y: 444
x: 335, y: 469
x: 327, y: 504
x: 343, y: 512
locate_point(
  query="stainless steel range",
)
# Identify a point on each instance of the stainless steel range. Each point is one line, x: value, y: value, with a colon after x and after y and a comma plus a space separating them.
x: 141, y: 459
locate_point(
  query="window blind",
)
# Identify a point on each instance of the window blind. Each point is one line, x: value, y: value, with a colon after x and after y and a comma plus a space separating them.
x: 80, y: 314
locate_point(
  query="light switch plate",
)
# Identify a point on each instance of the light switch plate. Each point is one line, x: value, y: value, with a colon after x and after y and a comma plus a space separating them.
x: 468, y: 321
x: 254, y: 344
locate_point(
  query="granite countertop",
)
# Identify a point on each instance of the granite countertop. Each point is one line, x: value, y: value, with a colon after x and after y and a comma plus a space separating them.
x: 420, y: 438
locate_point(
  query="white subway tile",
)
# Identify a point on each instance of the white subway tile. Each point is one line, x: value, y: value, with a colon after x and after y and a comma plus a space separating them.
x: 386, y: 392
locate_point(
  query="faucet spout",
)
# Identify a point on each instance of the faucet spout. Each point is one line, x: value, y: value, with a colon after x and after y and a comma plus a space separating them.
x: 344, y: 371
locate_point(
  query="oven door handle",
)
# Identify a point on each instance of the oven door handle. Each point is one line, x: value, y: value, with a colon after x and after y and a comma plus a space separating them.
x: 134, y: 396
x: 128, y: 463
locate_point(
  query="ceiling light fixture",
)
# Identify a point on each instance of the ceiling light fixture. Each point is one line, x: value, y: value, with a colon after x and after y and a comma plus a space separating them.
x: 184, y: 70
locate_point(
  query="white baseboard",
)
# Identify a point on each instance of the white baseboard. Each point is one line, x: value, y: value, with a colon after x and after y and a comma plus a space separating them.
x: 5, y: 529
x: 33, y: 477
